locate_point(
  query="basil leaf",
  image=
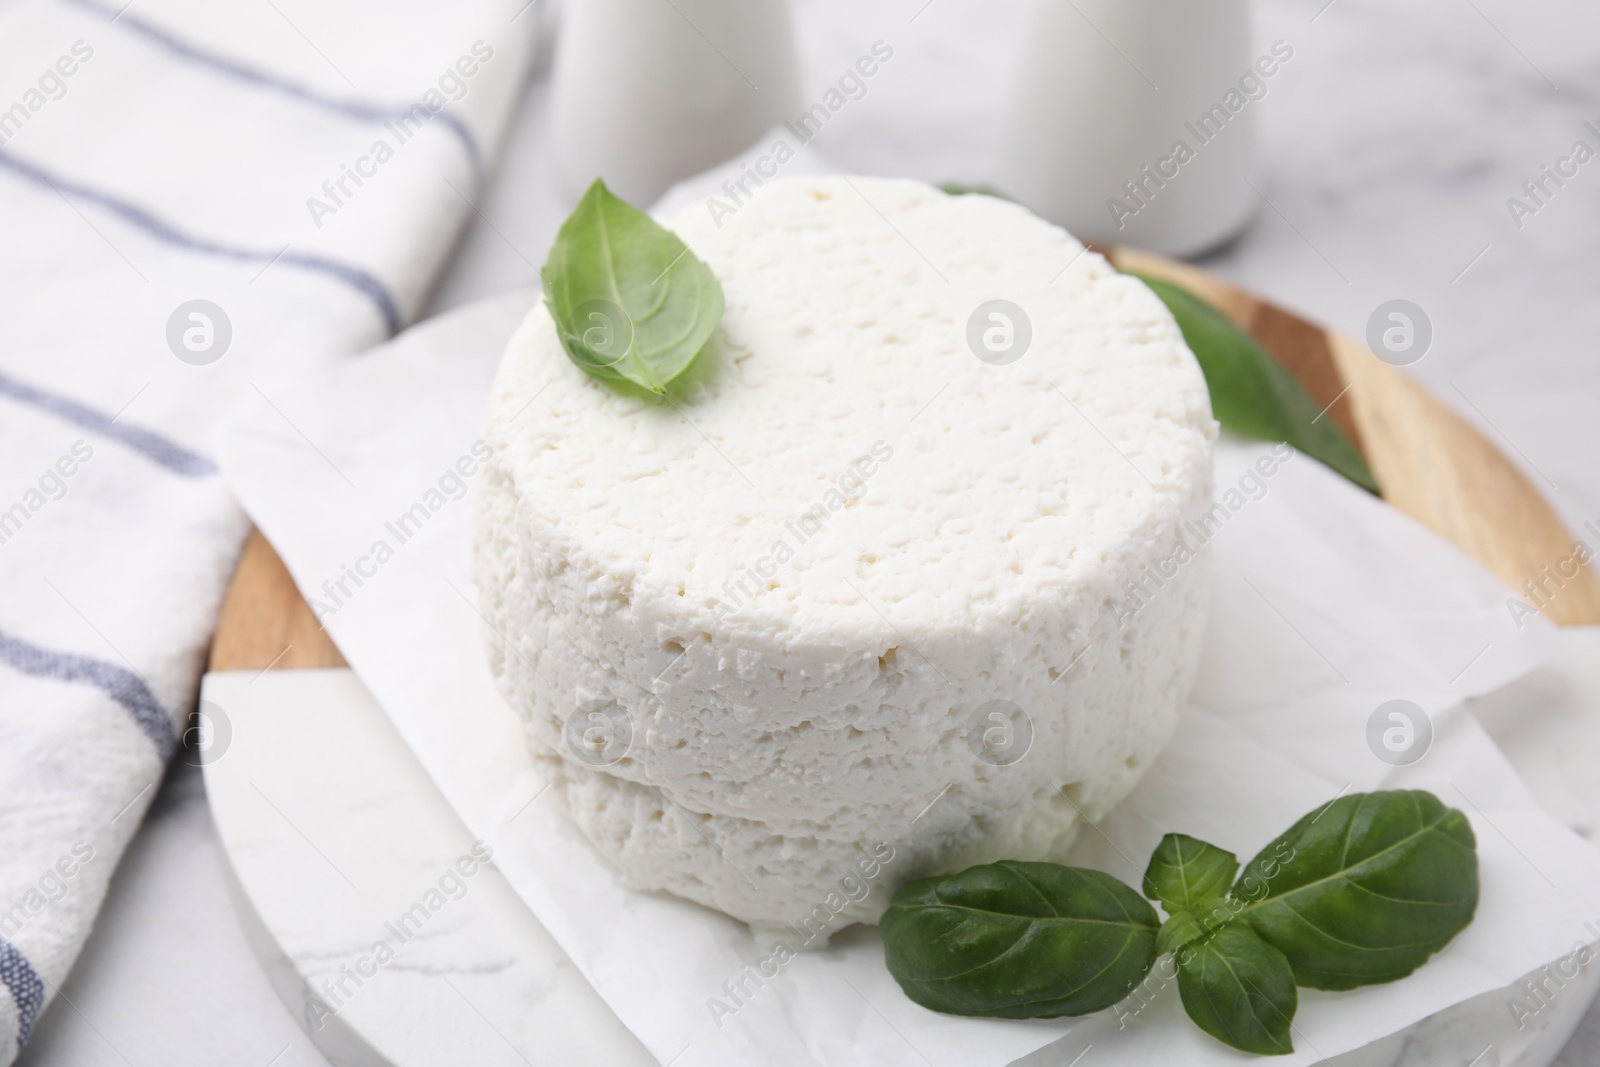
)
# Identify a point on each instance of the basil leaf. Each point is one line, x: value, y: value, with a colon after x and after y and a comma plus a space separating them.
x: 1253, y: 393
x: 1019, y: 941
x: 958, y: 189
x: 631, y: 303
x: 1240, y: 990
x: 1178, y: 931
x: 1188, y: 874
x: 1364, y: 890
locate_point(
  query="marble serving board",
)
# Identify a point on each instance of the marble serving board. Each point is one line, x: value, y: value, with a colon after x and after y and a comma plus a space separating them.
x: 424, y: 955
x: 307, y: 776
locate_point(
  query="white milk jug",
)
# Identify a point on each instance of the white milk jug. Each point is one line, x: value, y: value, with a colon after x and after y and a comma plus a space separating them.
x: 1133, y: 121
x: 646, y: 92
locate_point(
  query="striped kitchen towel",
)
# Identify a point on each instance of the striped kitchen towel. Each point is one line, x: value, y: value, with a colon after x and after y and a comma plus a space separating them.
x: 200, y: 198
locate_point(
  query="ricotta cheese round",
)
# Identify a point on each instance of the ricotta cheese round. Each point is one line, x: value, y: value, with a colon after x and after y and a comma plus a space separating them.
x: 886, y: 587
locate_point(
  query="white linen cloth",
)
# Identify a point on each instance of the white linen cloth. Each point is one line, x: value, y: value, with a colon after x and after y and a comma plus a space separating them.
x: 151, y: 156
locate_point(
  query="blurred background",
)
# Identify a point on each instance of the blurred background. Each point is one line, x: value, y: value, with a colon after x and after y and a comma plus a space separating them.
x: 1388, y: 159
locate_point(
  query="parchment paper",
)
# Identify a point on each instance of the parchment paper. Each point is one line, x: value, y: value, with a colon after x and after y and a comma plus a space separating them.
x: 1325, y: 604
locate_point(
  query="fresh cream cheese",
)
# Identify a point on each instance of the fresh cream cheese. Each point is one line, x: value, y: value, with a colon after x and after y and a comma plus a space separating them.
x: 842, y: 611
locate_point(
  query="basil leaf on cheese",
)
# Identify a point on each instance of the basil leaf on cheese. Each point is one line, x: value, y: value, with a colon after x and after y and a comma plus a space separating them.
x: 1253, y: 393
x: 1240, y: 990
x: 1188, y: 874
x: 1019, y: 941
x: 631, y: 303
x: 1365, y: 889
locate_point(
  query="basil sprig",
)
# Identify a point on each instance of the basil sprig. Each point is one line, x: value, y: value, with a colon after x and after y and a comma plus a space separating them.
x: 1359, y: 892
x: 1253, y: 393
x: 631, y: 303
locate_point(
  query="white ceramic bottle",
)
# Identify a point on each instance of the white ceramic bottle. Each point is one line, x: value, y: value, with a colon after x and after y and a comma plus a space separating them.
x: 647, y: 92
x: 1133, y: 121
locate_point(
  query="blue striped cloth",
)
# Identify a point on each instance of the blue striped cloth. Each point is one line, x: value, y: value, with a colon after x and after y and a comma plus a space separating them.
x: 301, y: 170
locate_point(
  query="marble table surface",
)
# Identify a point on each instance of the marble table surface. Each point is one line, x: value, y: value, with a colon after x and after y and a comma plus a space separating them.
x: 1388, y: 156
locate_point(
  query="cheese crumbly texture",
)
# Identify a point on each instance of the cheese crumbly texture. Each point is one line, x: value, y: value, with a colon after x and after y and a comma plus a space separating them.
x: 797, y: 583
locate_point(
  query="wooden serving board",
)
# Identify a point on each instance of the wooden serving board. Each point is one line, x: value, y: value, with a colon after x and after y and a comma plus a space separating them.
x: 1432, y: 464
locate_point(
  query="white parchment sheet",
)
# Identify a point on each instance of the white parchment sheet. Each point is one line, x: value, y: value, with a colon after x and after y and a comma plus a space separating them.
x: 1325, y: 604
